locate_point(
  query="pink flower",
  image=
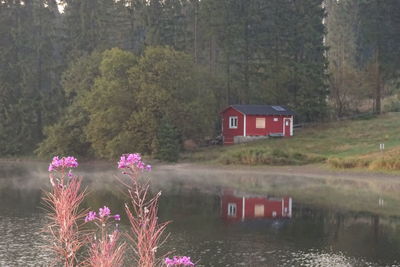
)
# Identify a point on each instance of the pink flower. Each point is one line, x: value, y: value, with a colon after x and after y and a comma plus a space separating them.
x: 178, y: 261
x: 105, y: 211
x: 133, y: 161
x: 91, y: 216
x: 64, y: 162
x: 117, y: 217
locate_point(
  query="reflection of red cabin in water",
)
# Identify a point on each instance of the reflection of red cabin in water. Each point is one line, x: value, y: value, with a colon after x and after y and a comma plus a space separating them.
x: 236, y: 206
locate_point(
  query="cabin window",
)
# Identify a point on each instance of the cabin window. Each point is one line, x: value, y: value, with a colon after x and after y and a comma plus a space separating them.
x: 260, y: 123
x: 232, y: 209
x: 287, y: 123
x: 233, y: 122
x: 276, y: 119
x: 259, y: 210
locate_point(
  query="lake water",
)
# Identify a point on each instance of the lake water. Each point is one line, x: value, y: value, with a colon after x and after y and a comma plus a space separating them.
x: 208, y: 221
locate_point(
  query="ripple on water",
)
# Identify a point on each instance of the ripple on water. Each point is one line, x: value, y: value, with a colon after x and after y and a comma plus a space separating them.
x: 317, y: 258
x: 22, y: 242
x: 242, y: 252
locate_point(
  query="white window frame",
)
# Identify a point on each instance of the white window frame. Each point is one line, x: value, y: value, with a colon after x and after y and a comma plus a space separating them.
x: 232, y: 210
x: 231, y: 124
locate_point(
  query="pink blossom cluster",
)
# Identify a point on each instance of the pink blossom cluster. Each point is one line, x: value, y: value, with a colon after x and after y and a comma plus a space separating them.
x: 178, y: 261
x: 133, y: 161
x: 103, y: 213
x: 91, y: 216
x: 62, y: 163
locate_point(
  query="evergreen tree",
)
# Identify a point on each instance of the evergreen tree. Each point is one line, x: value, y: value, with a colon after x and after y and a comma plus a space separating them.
x: 89, y: 25
x: 168, y: 142
x: 29, y: 77
x: 378, y: 42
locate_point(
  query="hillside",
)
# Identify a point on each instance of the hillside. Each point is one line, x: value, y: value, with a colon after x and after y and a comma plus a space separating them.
x: 344, y: 144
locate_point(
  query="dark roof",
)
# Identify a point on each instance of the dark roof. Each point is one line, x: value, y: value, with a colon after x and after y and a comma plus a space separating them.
x: 263, y: 110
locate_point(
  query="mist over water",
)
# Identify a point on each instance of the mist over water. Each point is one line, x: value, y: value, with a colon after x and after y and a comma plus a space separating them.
x: 192, y: 197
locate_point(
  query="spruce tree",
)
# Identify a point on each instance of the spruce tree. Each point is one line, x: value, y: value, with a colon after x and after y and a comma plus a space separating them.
x: 168, y: 142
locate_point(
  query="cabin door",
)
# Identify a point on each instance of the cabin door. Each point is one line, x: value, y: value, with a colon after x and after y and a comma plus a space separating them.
x: 286, y: 126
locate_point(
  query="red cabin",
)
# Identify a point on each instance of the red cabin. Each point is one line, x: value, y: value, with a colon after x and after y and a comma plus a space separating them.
x: 236, y: 206
x: 241, y: 123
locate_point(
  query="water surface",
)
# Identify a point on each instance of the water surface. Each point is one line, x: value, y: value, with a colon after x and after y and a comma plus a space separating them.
x: 193, y: 200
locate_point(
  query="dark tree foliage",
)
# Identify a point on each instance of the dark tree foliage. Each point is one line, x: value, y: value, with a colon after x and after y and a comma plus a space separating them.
x: 30, y: 61
x: 167, y: 142
x: 117, y: 101
x: 270, y: 52
x: 379, y: 43
x: 190, y: 55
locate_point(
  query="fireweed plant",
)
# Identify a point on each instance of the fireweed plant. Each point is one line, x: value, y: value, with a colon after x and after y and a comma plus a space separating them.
x: 104, y: 248
x: 146, y: 232
x: 63, y: 203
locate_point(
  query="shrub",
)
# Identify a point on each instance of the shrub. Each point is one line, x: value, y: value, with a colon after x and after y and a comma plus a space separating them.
x: 391, y: 164
x: 349, y: 163
x: 255, y: 156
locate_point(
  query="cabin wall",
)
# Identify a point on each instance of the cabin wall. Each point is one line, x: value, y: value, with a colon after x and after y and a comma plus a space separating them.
x: 271, y: 126
x: 228, y: 133
x: 251, y: 126
x: 255, y: 207
x: 270, y: 206
x: 249, y: 121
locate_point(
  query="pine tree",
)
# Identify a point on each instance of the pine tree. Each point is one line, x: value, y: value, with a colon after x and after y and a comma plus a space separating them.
x: 168, y: 142
x: 29, y: 77
x: 378, y: 42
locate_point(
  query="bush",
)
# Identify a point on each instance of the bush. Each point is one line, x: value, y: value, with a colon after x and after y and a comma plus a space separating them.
x: 388, y: 163
x: 391, y: 164
x: 256, y: 156
x: 349, y: 163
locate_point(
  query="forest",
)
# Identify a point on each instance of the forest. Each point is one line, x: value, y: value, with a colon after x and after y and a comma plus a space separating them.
x: 98, y: 78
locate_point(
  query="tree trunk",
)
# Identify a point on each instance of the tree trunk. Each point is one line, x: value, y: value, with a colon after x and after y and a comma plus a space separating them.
x: 378, y: 84
x: 195, y: 33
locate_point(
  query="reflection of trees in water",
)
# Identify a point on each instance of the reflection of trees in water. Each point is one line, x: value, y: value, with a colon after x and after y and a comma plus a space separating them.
x: 19, y: 200
x: 360, y: 234
x: 111, y: 197
x: 191, y: 205
x: 13, y: 170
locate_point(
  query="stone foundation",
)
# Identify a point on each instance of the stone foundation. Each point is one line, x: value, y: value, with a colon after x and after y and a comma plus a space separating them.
x: 245, y: 139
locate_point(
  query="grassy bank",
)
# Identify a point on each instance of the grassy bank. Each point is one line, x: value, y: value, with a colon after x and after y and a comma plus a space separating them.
x: 344, y: 144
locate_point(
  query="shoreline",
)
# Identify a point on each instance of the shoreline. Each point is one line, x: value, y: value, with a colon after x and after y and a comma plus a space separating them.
x: 305, y: 169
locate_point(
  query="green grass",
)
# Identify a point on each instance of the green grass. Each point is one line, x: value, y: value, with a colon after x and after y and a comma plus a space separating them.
x: 335, y: 143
